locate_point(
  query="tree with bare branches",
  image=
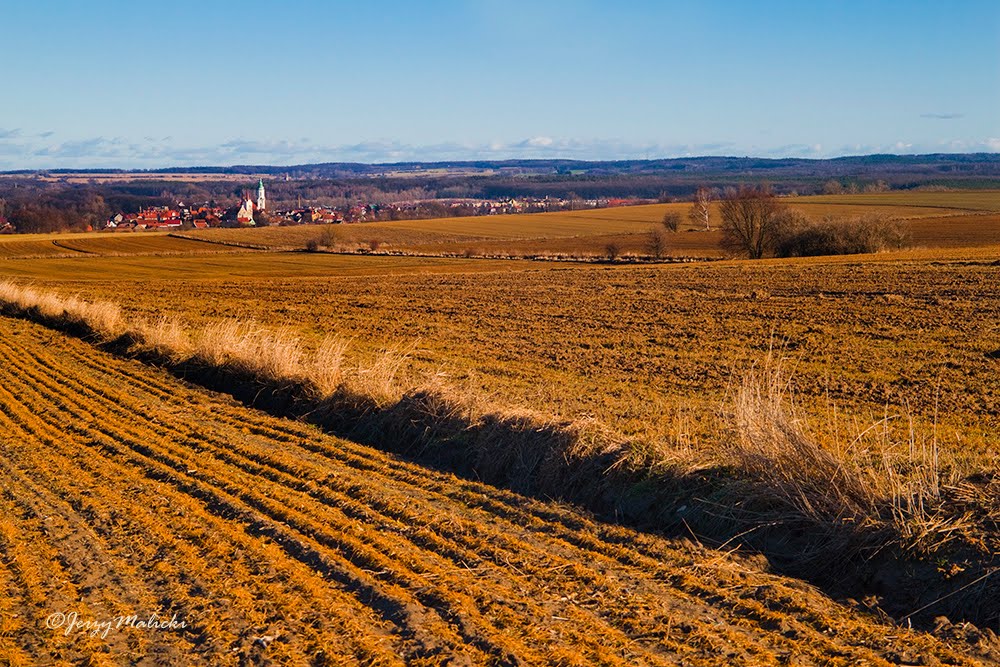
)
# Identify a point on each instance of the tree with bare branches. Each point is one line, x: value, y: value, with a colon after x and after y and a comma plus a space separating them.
x: 751, y: 220
x: 658, y: 244
x: 671, y: 221
x: 701, y: 209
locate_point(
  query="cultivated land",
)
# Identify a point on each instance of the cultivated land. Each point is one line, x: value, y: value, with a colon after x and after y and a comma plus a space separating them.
x: 125, y: 491
x: 584, y: 233
x: 421, y: 564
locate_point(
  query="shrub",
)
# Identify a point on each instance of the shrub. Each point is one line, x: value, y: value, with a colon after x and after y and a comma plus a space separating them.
x: 799, y: 237
x: 612, y: 251
x: 671, y: 221
x: 328, y: 238
x: 312, y: 245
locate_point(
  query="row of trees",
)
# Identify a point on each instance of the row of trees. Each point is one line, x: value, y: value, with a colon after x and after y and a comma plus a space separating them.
x: 755, y: 223
x: 77, y: 210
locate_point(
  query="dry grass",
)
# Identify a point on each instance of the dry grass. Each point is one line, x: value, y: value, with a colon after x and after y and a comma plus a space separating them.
x: 772, y: 445
x: 883, y: 478
x: 275, y: 355
x: 104, y: 319
x: 164, y: 336
x: 378, y: 378
x: 327, y: 369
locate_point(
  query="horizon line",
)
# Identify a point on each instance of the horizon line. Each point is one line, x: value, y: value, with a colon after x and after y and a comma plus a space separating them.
x: 493, y: 161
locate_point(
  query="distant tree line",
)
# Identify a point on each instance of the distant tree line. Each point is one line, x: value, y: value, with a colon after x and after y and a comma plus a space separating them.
x: 54, y: 211
x: 50, y: 204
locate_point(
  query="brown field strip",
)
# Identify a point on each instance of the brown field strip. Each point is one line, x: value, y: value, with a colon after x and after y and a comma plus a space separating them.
x: 955, y: 231
x: 125, y: 491
x: 239, y: 264
x: 13, y: 247
x: 972, y: 200
x: 39, y: 246
x: 584, y: 232
x: 630, y: 345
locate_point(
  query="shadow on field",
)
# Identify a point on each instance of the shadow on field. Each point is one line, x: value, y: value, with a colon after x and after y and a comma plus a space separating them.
x: 717, y: 506
x: 850, y: 554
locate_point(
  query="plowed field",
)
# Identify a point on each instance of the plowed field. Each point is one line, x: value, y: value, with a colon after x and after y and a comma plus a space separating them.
x: 126, y: 492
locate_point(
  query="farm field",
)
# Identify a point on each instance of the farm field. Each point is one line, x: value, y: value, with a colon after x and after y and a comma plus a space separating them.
x: 237, y: 265
x: 633, y: 346
x: 930, y: 216
x: 934, y: 219
x: 974, y: 200
x: 283, y: 541
x: 273, y: 543
x: 32, y: 246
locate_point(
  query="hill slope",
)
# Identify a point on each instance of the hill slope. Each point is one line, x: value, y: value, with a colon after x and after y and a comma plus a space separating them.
x: 124, y: 491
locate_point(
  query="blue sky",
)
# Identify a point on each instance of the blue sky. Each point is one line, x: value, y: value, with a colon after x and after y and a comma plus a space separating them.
x: 152, y: 84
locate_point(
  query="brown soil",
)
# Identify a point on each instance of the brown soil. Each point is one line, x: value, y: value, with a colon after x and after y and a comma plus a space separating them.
x: 126, y: 491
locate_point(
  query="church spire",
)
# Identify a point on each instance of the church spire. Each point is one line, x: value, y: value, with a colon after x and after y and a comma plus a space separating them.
x: 261, y: 199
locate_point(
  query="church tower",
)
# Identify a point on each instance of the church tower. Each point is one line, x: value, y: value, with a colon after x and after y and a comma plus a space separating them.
x: 261, y: 199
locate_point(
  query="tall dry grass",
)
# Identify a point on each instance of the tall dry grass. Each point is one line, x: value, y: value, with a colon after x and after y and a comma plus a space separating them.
x: 327, y: 366
x: 102, y: 318
x: 244, y: 346
x: 886, y: 477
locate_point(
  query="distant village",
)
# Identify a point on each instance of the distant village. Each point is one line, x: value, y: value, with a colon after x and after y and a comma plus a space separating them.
x: 253, y: 211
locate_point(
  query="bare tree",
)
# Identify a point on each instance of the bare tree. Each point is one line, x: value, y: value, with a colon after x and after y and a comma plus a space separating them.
x: 612, y: 251
x: 832, y: 187
x: 701, y: 209
x: 751, y: 220
x: 671, y: 221
x: 657, y: 243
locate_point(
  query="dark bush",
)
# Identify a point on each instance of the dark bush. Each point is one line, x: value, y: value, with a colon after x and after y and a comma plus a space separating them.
x: 800, y: 237
x: 671, y: 221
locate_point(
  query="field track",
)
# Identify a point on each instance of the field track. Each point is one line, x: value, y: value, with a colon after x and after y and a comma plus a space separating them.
x: 124, y: 491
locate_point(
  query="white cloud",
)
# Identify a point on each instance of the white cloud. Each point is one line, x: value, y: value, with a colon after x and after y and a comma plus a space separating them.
x: 19, y: 151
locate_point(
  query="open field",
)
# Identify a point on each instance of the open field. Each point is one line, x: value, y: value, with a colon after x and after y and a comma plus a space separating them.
x: 587, y: 232
x: 628, y: 344
x: 934, y: 219
x: 974, y: 200
x: 32, y: 246
x: 273, y: 542
x: 236, y: 264
x: 336, y: 546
